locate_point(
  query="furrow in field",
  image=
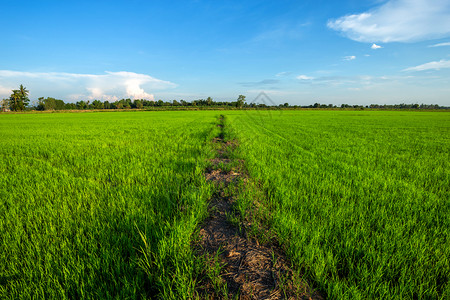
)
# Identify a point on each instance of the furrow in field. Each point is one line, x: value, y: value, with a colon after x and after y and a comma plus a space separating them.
x: 239, y: 265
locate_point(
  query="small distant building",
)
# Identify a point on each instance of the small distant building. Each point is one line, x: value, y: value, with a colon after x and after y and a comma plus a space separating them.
x: 4, y: 105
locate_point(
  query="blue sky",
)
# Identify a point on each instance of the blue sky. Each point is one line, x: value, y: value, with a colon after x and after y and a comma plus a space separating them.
x: 301, y: 52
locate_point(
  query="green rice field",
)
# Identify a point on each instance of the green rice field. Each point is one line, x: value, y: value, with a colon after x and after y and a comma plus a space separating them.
x: 78, y: 191
x: 360, y: 200
x: 107, y: 204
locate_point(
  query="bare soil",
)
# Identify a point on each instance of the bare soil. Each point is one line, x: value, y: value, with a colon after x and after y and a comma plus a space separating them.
x: 250, y: 270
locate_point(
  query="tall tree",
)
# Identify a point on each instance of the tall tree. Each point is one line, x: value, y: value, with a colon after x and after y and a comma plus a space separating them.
x: 240, y: 101
x: 19, y: 99
x: 97, y: 104
x: 24, y: 92
x: 14, y: 101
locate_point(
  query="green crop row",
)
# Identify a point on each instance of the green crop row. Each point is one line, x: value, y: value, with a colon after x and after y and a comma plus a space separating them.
x: 101, y: 205
x: 360, y: 200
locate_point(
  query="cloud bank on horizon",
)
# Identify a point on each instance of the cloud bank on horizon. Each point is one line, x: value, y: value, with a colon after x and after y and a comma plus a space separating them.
x: 397, y: 21
x: 110, y: 86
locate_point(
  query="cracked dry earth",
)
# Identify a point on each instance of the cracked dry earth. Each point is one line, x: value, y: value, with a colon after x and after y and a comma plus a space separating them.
x: 250, y: 270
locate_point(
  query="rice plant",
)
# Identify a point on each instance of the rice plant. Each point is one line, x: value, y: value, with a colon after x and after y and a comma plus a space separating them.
x: 101, y: 205
x: 360, y: 200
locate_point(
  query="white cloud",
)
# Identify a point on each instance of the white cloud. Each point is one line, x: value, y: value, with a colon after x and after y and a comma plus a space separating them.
x: 350, y: 57
x: 350, y: 81
x: 73, y: 86
x: 282, y: 74
x: 397, y: 21
x: 440, y: 45
x: 434, y: 65
x: 260, y: 83
x: 304, y: 77
x: 375, y: 46
x: 5, y: 91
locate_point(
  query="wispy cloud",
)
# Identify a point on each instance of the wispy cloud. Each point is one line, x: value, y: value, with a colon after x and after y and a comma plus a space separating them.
x: 397, y: 21
x: 276, y: 35
x: 282, y: 74
x: 73, y: 86
x: 350, y: 81
x: 280, y: 32
x: 434, y: 65
x: 269, y: 92
x: 260, y: 83
x: 375, y: 46
x: 350, y: 57
x: 440, y: 45
x: 304, y: 77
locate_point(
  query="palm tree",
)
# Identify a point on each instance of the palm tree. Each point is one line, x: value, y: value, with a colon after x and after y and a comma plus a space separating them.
x: 23, y: 90
x: 15, y: 101
x: 19, y: 98
x: 24, y: 96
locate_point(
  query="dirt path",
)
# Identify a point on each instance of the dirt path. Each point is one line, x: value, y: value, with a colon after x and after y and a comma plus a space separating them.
x: 247, y: 270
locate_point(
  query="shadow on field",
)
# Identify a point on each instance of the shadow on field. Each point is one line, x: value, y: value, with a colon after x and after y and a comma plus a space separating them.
x: 7, y: 279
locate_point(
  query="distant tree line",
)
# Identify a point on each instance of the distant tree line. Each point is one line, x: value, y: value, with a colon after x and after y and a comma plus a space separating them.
x: 56, y: 104
x: 379, y: 106
x: 19, y: 101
